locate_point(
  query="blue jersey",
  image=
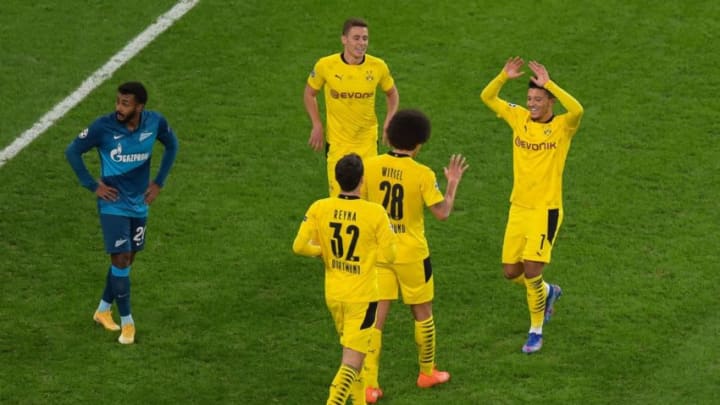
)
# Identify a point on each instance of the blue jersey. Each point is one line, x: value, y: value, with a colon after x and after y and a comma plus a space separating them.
x: 124, y: 159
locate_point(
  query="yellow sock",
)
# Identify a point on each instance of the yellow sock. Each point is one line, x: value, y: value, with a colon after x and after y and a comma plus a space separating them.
x: 425, y: 341
x: 536, y: 293
x: 519, y: 279
x: 341, y: 385
x: 357, y: 391
x: 371, y: 366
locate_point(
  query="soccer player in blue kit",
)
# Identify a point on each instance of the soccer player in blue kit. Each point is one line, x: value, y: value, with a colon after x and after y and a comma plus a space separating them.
x: 124, y: 141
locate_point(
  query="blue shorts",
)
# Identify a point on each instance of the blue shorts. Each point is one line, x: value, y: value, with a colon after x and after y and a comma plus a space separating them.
x: 123, y: 234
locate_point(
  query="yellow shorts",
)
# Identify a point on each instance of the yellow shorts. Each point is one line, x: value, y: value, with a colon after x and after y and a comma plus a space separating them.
x: 530, y: 234
x: 414, y: 280
x: 334, y: 154
x: 354, y: 323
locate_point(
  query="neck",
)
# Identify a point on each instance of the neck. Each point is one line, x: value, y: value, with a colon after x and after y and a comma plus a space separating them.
x: 133, y: 124
x: 545, y: 119
x: 351, y: 60
x: 410, y: 153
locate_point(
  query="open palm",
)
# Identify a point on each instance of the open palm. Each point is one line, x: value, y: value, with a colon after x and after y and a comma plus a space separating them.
x: 512, y: 67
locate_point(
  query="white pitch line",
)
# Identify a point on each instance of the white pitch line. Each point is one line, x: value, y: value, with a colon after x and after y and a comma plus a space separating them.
x: 131, y: 49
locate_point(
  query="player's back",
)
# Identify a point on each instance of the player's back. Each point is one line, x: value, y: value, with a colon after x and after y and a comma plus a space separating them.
x: 404, y: 187
x: 350, y: 232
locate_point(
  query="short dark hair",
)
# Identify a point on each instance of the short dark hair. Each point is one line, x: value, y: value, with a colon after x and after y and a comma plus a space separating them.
x: 408, y: 129
x: 136, y: 89
x: 349, y: 171
x: 532, y: 85
x: 353, y: 22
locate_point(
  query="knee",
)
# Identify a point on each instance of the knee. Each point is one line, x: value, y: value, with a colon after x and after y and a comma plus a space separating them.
x: 423, y: 311
x: 121, y: 260
x: 512, y: 270
x: 533, y: 269
x: 507, y: 274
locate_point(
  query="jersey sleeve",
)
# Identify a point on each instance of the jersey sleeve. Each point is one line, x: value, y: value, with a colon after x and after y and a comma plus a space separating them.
x: 87, y: 139
x: 491, y: 97
x: 574, y: 108
x: 167, y: 137
x: 387, y: 82
x: 430, y: 189
x: 305, y: 240
x: 316, y: 79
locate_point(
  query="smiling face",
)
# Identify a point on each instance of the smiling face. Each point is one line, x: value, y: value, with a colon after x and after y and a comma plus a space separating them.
x: 540, y: 104
x: 355, y: 43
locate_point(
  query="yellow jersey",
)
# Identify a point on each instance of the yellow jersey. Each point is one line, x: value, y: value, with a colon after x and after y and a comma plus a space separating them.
x: 350, y: 92
x: 404, y: 187
x: 348, y: 232
x: 539, y: 148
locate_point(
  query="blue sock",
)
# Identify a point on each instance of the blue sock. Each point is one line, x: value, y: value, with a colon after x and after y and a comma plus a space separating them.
x: 104, y: 306
x: 124, y: 320
x: 107, y: 297
x: 120, y: 280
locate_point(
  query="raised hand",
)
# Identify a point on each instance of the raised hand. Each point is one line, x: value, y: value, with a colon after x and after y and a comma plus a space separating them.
x: 512, y: 67
x: 456, y: 168
x: 541, y: 74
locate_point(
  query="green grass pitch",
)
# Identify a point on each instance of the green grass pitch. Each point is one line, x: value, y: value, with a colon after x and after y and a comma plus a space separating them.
x: 227, y: 314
